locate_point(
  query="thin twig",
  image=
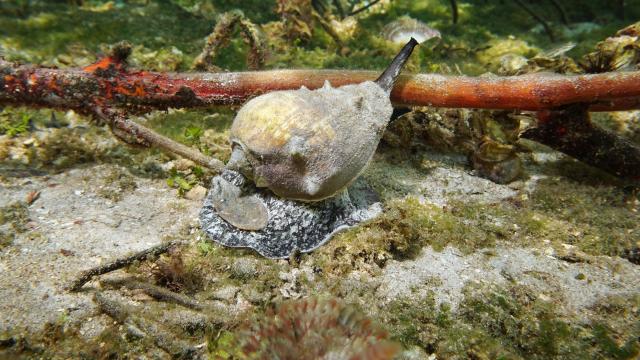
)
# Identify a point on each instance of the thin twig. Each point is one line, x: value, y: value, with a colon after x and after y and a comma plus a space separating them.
x: 561, y: 11
x: 151, y: 137
x: 454, y: 11
x: 533, y: 14
x: 148, y: 254
x: 156, y: 292
x: 354, y: 12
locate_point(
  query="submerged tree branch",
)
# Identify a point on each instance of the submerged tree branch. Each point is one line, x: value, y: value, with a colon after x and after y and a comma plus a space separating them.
x: 108, y: 84
x: 454, y: 11
x: 539, y: 19
x: 111, y: 92
x: 571, y: 131
x: 146, y: 136
x: 147, y: 254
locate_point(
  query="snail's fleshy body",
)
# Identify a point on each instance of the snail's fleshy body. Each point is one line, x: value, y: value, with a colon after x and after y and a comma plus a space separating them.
x: 291, y: 226
x: 310, y: 144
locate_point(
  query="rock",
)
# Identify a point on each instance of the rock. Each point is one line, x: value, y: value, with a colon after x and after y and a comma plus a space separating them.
x: 244, y: 268
x: 415, y: 353
x: 92, y: 327
x: 447, y: 272
x: 188, y: 320
x: 254, y: 296
x: 197, y: 192
x: 145, y: 217
x: 183, y: 164
x: 226, y: 293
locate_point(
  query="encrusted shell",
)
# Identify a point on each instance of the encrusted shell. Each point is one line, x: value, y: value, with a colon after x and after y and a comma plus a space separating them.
x: 310, y: 144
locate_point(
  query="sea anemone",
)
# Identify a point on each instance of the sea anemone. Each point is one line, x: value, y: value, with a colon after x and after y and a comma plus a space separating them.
x: 315, y: 329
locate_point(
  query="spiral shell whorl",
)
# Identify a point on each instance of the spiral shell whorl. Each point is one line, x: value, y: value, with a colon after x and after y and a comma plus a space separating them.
x: 310, y: 144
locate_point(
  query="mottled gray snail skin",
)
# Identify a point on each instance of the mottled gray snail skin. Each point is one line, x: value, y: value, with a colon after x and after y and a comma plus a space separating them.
x: 309, y: 145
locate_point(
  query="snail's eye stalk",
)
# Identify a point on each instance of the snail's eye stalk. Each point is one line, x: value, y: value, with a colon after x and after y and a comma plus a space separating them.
x: 389, y: 76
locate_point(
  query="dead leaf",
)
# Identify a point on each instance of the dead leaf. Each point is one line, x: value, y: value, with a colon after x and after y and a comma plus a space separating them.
x: 32, y: 197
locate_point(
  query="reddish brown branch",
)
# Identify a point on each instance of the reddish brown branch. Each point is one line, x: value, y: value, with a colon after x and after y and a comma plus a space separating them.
x: 107, y: 90
x: 108, y: 84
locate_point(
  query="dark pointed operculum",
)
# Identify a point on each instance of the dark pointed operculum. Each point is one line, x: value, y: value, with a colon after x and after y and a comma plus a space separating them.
x: 389, y: 76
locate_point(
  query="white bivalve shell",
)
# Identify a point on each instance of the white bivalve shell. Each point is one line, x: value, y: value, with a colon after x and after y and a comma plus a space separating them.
x: 310, y: 144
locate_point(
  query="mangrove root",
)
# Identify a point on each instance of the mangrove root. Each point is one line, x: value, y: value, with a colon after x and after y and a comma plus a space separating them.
x: 571, y: 131
x: 108, y: 84
x: 220, y: 38
x: 111, y: 92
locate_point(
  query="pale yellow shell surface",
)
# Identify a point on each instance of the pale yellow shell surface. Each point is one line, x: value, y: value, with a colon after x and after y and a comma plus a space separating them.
x: 308, y: 145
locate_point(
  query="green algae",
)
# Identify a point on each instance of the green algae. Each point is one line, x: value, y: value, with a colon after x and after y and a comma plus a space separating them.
x: 569, y: 216
x: 558, y: 213
x: 203, y: 267
x: 116, y: 184
x: 14, y: 125
x: 513, y: 323
x: 53, y: 27
x: 510, y: 322
x: 204, y: 130
x: 13, y: 220
x: 63, y: 341
x: 405, y: 227
x: 16, y: 215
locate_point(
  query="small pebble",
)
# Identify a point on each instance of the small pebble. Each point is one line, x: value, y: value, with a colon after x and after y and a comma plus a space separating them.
x: 196, y: 193
x: 226, y: 293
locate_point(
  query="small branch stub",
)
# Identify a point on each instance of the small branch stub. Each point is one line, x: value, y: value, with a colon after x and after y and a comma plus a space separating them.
x: 571, y: 131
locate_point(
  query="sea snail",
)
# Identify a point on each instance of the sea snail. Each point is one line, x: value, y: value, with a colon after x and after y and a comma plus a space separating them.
x: 292, y: 149
x: 309, y: 145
